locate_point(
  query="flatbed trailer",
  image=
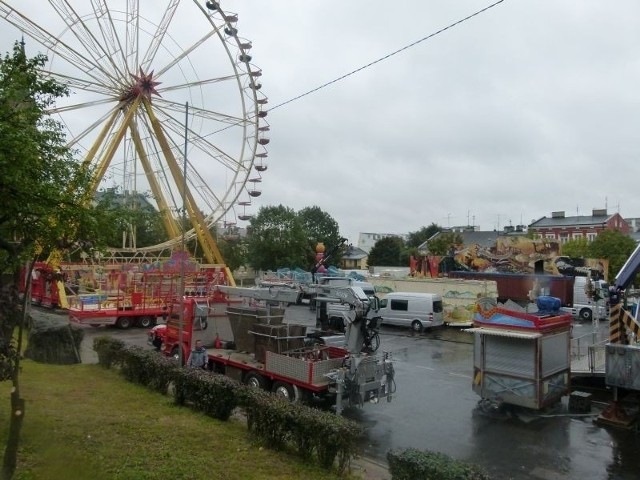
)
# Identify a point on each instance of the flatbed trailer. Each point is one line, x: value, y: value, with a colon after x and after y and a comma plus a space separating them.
x: 141, y: 298
x: 268, y: 354
x: 297, y: 373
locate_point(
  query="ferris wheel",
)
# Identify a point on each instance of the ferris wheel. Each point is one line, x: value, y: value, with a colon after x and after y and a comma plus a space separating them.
x: 164, y: 100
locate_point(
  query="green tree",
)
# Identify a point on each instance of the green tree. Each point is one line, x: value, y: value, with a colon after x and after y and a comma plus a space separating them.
x: 444, y: 243
x: 614, y: 246
x: 233, y: 250
x: 38, y: 213
x: 578, y: 248
x: 387, y: 252
x: 416, y: 239
x: 277, y: 239
x: 126, y: 217
x: 320, y: 227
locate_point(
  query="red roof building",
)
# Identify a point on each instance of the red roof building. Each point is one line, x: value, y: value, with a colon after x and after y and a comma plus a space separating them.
x: 562, y: 228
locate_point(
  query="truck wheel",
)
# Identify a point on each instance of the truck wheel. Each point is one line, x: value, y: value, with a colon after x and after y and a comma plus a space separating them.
x: 416, y: 326
x: 146, y: 322
x: 255, y: 380
x: 283, y: 390
x: 586, y: 314
x: 123, y: 322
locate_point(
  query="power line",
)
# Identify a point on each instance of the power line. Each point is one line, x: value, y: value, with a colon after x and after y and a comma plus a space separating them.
x: 369, y: 64
x: 388, y: 55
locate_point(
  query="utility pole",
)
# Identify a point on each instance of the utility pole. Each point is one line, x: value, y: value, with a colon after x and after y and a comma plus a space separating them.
x: 183, y: 245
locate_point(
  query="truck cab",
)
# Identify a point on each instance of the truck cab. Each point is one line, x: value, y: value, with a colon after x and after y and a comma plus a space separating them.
x: 590, y: 299
x: 196, y: 314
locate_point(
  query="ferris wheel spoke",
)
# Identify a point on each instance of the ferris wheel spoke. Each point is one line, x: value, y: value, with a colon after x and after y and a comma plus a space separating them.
x: 185, y: 53
x: 85, y: 36
x: 82, y: 84
x: 75, y: 140
x: 109, y: 33
x: 199, y: 83
x: 80, y: 106
x: 163, y: 206
x: 49, y: 41
x: 132, y: 30
x: 158, y: 36
x: 213, y: 201
x: 167, y: 195
x: 205, y: 146
x: 201, y: 113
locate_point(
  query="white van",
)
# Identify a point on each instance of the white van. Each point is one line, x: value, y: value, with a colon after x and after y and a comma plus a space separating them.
x: 409, y: 309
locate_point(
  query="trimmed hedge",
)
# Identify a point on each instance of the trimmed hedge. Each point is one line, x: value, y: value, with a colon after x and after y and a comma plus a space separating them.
x: 214, y: 395
x: 413, y: 464
x: 276, y: 422
x: 109, y: 351
x: 147, y: 368
x: 282, y: 424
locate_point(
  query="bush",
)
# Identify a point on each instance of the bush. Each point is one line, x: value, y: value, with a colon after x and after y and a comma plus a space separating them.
x: 109, y: 351
x: 412, y: 464
x: 147, y: 368
x: 213, y: 394
x: 275, y: 421
x: 281, y: 424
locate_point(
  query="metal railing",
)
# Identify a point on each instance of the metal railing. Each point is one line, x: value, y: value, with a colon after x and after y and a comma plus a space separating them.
x: 588, y: 353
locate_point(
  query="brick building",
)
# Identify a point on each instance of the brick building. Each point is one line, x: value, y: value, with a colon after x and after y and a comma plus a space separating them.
x: 562, y: 228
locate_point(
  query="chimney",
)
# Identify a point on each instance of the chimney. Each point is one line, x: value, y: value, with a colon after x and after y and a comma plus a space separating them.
x: 557, y: 214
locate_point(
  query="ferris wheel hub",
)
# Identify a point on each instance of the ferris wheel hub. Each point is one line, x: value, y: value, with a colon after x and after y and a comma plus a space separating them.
x: 144, y: 85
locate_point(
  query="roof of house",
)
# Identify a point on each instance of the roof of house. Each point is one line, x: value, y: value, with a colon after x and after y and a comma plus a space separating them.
x: 354, y: 253
x: 582, y: 220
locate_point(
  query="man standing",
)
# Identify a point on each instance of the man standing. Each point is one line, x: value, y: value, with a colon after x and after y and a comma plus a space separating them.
x: 198, y: 357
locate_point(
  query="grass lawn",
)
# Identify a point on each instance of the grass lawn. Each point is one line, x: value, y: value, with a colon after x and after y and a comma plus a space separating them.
x: 85, y: 422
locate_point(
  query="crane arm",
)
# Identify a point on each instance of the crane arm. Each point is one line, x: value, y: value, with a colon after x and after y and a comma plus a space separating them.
x: 628, y: 271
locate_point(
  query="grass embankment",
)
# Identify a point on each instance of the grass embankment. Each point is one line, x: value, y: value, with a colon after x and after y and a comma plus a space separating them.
x: 85, y: 422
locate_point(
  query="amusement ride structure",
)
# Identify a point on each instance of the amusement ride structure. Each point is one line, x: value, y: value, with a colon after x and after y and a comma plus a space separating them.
x: 164, y: 100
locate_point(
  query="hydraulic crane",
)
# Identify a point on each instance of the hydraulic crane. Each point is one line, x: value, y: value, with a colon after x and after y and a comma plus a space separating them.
x: 623, y: 350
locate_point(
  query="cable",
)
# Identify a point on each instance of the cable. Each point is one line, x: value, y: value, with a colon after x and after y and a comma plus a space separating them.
x: 388, y: 55
x: 368, y: 64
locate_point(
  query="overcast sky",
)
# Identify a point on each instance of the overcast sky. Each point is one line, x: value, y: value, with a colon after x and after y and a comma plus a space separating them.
x: 531, y: 107
x: 528, y: 108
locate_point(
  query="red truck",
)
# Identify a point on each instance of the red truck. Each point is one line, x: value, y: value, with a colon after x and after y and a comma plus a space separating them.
x: 268, y: 354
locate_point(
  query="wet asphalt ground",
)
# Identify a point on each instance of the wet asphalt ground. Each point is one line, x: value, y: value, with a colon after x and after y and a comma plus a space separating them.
x: 436, y: 409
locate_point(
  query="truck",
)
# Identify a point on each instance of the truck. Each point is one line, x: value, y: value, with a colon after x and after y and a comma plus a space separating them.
x: 585, y: 298
x: 281, y: 357
x: 140, y: 298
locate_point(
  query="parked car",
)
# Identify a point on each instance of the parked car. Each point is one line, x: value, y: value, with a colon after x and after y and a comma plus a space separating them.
x: 410, y: 309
